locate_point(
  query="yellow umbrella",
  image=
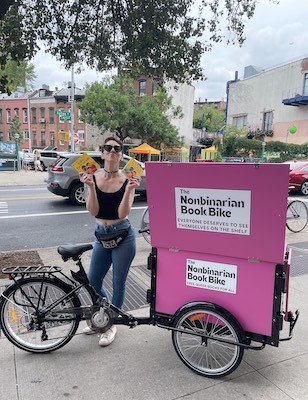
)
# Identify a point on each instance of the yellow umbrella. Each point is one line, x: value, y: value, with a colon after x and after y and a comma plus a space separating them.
x: 211, y: 149
x: 144, y: 149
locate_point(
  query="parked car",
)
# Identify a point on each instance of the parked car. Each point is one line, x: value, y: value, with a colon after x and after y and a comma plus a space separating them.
x: 298, y: 176
x: 49, y: 157
x: 26, y: 159
x: 63, y: 179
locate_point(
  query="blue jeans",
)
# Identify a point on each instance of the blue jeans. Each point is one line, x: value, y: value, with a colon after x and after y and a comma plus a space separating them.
x: 120, y: 257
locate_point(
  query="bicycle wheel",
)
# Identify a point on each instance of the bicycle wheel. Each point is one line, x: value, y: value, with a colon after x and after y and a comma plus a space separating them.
x: 208, y: 357
x: 297, y: 216
x: 145, y: 223
x: 24, y: 322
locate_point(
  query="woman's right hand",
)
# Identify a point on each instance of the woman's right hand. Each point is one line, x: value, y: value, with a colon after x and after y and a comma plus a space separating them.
x: 87, y: 179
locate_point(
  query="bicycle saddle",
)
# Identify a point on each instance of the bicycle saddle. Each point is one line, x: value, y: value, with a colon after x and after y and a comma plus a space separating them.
x: 68, y: 251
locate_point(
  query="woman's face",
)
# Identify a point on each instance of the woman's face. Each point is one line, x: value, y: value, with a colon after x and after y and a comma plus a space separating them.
x: 112, y: 151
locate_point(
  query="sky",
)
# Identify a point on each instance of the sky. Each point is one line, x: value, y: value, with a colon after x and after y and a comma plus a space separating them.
x: 277, y: 33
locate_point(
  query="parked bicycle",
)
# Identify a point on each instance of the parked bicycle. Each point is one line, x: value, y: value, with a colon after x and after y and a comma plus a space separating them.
x: 297, y: 215
x: 145, y: 226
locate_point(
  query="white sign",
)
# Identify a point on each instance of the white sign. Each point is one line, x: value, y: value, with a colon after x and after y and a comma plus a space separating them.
x: 212, y: 276
x: 213, y: 210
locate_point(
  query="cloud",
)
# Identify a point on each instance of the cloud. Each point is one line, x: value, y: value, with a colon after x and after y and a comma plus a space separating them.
x: 51, y: 72
x: 276, y: 34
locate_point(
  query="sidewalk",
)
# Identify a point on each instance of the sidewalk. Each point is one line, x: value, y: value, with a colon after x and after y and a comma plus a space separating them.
x: 22, y: 177
x: 142, y: 363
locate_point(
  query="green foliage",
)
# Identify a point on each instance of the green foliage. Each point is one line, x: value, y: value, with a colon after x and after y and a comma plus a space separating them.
x: 113, y: 105
x: 237, y: 146
x: 17, y: 74
x: 211, y: 118
x: 158, y: 38
x: 15, y: 130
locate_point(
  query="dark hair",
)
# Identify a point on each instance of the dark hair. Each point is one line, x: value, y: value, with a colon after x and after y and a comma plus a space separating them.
x: 115, y: 139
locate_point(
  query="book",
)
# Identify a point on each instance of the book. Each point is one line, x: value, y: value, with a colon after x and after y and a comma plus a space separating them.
x: 132, y: 168
x: 86, y: 164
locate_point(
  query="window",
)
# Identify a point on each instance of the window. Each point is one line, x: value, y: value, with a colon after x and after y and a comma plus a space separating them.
x: 52, y: 138
x: 42, y: 114
x: 43, y: 138
x: 26, y: 135
x: 81, y: 135
x: 24, y: 115
x: 305, y: 85
x: 154, y: 88
x: 79, y: 113
x: 1, y: 120
x: 33, y: 111
x: 16, y: 112
x: 8, y: 116
x: 51, y: 115
x: 267, y: 123
x: 34, y: 139
x: 1, y: 137
x: 142, y: 87
x: 240, y: 122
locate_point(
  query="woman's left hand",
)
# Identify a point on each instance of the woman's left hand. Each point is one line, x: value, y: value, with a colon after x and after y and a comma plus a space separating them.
x: 133, y: 182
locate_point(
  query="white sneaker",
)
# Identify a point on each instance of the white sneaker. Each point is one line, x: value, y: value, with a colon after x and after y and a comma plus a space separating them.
x: 108, y: 337
x: 88, y: 331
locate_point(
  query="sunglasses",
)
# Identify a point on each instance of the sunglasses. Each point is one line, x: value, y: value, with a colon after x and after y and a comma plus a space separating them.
x: 116, y: 148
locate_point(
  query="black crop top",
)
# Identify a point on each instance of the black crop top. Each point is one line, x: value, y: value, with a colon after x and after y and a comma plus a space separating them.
x: 109, y: 202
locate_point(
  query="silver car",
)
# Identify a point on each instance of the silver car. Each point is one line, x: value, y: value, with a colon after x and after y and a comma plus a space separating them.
x: 63, y: 179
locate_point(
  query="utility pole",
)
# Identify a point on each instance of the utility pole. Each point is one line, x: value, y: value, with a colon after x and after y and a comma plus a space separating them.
x: 72, y: 109
x: 29, y: 122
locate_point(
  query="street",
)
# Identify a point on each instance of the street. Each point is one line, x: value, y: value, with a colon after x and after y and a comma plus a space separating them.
x: 31, y: 218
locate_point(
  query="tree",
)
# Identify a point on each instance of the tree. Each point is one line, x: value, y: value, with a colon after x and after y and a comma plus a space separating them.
x: 15, y: 133
x: 113, y: 105
x: 209, y: 118
x: 162, y: 38
x: 18, y: 74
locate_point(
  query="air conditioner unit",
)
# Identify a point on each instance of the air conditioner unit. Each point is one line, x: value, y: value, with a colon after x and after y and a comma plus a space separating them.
x: 42, y: 120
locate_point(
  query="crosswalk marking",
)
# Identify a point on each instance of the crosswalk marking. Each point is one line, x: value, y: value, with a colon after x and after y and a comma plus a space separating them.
x: 4, y: 209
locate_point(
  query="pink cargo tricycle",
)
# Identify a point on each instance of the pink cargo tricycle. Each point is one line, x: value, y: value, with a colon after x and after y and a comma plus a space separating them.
x: 219, y: 271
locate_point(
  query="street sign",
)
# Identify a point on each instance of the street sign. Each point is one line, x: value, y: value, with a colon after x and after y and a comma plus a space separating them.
x: 76, y: 138
x: 64, y: 118
x: 63, y: 113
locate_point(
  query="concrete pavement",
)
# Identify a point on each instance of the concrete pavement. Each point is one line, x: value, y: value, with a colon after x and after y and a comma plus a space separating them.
x: 142, y: 364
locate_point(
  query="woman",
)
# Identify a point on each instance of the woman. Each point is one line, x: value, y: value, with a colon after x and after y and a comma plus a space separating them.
x: 37, y: 161
x: 109, y: 199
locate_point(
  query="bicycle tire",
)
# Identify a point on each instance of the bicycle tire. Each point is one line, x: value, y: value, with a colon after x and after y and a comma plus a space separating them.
x: 208, y: 357
x: 145, y: 223
x: 297, y: 216
x: 23, y: 323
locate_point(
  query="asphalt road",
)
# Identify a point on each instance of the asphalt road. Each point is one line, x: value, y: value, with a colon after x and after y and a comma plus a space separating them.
x: 31, y: 218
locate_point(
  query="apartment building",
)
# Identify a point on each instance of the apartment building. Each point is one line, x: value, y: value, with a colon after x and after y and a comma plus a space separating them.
x: 267, y: 103
x: 43, y: 116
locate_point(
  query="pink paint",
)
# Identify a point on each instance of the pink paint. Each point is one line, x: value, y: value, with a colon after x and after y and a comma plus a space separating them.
x: 255, y: 254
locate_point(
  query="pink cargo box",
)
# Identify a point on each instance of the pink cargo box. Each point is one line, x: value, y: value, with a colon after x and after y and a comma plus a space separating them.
x: 219, y: 231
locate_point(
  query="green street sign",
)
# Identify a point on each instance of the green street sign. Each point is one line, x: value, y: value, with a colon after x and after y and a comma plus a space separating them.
x: 63, y: 113
x: 64, y: 117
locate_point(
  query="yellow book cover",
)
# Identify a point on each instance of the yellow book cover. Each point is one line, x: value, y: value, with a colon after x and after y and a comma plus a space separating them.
x: 132, y: 168
x: 85, y: 163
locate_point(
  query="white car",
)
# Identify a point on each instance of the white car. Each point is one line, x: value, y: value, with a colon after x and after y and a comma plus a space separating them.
x: 26, y: 159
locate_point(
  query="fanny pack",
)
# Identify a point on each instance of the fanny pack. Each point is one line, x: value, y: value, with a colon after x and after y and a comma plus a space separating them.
x: 112, y: 240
